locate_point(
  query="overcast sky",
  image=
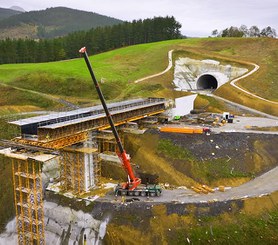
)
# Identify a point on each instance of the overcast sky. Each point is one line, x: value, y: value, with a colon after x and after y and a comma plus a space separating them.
x: 198, y: 17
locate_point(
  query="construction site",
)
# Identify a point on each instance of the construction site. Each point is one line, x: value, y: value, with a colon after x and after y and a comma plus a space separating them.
x: 78, y: 144
x: 74, y: 140
x: 72, y: 175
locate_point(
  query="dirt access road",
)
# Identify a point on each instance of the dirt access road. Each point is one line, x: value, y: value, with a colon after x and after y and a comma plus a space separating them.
x: 253, y: 111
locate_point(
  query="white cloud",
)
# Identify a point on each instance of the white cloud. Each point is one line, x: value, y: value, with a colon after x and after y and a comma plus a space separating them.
x: 198, y: 17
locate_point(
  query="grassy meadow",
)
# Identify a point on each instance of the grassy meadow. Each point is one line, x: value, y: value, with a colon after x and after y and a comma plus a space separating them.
x: 118, y: 69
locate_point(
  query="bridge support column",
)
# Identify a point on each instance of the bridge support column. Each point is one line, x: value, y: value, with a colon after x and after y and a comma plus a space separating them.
x: 80, y: 167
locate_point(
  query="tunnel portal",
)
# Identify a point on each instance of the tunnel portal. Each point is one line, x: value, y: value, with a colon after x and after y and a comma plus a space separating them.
x: 207, y: 81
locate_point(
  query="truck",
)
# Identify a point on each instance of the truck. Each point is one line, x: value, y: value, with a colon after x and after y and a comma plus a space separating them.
x: 133, y: 185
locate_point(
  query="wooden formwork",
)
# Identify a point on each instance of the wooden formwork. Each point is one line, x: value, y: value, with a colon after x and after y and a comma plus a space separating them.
x: 106, y: 142
x: 182, y: 130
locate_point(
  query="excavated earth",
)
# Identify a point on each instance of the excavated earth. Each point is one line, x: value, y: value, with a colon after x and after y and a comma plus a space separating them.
x: 157, y: 218
x: 227, y: 145
x: 247, y: 154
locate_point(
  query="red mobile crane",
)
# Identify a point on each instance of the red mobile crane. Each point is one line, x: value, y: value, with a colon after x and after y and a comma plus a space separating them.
x: 133, y: 185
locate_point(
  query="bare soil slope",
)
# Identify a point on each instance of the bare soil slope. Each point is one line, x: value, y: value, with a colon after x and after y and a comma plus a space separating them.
x: 216, y: 159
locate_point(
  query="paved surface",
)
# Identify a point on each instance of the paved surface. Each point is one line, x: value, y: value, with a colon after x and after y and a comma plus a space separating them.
x: 260, y: 186
x: 244, y: 107
x: 240, y: 124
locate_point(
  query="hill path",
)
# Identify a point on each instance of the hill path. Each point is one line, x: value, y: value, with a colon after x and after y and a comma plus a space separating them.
x: 233, y: 83
x: 256, y: 67
x: 170, y: 64
x: 50, y: 97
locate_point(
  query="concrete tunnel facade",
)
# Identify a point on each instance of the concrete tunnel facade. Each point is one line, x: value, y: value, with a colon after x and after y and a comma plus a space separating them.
x: 207, y: 81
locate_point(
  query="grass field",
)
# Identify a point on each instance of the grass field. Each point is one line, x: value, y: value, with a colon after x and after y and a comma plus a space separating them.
x: 14, y: 101
x: 125, y: 64
x: 118, y: 69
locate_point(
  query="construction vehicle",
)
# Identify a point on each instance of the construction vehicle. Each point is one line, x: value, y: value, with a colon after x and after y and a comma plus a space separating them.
x: 132, y: 186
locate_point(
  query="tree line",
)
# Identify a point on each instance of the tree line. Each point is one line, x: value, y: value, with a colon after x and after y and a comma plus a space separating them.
x: 244, y: 31
x: 96, y: 40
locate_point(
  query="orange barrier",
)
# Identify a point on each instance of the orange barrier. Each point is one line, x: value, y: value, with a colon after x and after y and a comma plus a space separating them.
x: 184, y: 130
x: 204, y: 189
x: 208, y: 188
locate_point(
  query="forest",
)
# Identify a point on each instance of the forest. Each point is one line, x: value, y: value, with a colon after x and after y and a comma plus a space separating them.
x: 96, y: 40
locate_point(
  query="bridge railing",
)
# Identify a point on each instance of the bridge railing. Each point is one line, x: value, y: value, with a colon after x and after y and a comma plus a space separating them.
x: 81, y: 114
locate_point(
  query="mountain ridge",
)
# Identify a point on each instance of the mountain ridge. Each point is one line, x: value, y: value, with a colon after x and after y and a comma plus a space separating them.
x: 17, y: 8
x: 6, y: 13
x: 51, y: 23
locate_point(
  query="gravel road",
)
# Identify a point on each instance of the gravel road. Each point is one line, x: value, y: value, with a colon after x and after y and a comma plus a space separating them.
x: 260, y: 186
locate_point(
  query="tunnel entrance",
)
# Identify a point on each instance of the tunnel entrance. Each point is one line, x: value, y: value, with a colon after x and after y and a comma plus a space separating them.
x: 207, y: 81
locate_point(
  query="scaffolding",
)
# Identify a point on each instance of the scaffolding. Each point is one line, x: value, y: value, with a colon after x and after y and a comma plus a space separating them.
x: 80, y: 168
x: 55, y: 144
x: 28, y: 199
x: 106, y: 142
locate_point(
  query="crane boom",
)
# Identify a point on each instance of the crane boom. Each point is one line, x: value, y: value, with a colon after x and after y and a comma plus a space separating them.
x: 132, y: 182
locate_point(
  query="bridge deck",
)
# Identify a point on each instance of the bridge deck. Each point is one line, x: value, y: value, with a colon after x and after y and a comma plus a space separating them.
x: 62, y: 125
x: 114, y: 111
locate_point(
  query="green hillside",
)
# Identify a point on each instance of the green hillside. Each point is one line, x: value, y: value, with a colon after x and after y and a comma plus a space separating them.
x: 52, y: 22
x: 119, y: 68
x: 6, y: 13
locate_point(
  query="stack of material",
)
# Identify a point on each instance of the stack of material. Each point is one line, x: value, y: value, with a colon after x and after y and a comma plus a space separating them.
x: 182, y: 130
